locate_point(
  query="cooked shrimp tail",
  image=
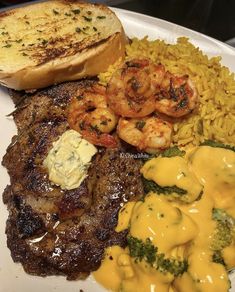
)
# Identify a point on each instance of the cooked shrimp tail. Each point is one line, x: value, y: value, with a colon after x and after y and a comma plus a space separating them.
x: 96, y: 138
x: 176, y: 96
x: 90, y: 115
x: 147, y: 134
x: 130, y: 91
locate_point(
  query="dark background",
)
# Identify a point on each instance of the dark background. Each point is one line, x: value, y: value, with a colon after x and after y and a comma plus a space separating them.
x: 215, y: 18
x: 212, y: 17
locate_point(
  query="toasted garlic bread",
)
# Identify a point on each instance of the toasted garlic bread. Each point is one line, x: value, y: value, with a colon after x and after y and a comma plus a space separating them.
x: 55, y: 41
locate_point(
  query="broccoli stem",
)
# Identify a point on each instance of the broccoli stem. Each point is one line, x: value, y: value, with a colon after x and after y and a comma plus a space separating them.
x: 223, y: 235
x: 150, y: 185
x: 146, y: 251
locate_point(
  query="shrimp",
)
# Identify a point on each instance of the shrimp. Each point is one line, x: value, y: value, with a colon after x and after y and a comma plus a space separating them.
x: 90, y: 115
x: 148, y: 134
x: 131, y: 89
x: 176, y: 96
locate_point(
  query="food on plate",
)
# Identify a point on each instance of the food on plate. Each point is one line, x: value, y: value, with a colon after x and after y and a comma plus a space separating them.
x: 54, y: 41
x: 90, y: 115
x: 175, y: 244
x: 213, y: 118
x: 55, y: 231
x: 141, y: 87
x: 69, y: 159
x: 187, y: 187
x: 131, y: 89
x: 146, y: 134
x: 136, y: 90
x: 177, y: 96
x: 115, y: 174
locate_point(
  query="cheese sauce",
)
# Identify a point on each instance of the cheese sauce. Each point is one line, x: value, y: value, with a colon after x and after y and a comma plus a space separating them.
x: 181, y: 230
x: 68, y: 160
x: 173, y: 171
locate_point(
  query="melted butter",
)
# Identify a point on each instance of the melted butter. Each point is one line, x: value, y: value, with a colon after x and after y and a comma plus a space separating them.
x: 172, y: 171
x: 182, y: 230
x: 68, y: 160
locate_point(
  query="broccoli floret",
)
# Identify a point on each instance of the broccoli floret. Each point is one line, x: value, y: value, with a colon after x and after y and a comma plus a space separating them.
x: 222, y: 236
x: 141, y: 250
x: 218, y: 258
x: 217, y: 145
x: 173, y: 191
x: 221, y: 215
x: 150, y: 185
x: 224, y: 233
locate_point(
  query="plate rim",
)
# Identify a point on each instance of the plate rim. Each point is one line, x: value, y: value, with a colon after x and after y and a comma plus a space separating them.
x: 136, y: 16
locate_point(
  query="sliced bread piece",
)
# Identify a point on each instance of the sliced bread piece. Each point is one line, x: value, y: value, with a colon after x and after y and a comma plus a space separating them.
x: 54, y: 41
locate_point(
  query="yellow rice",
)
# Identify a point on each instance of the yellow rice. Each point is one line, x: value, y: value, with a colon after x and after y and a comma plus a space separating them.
x: 215, y: 118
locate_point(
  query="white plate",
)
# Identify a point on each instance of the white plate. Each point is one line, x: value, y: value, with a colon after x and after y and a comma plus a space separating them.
x: 12, y: 276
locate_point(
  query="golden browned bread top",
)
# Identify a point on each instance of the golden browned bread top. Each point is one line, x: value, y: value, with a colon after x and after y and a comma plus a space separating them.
x: 38, y: 33
x: 55, y: 41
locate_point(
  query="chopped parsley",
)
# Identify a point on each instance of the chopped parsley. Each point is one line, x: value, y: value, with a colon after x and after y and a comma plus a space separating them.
x: 7, y: 46
x: 146, y: 251
x: 87, y: 18
x: 105, y: 122
x: 101, y: 17
x: 44, y: 42
x: 140, y: 124
x: 76, y: 11
x: 55, y: 12
x: 79, y: 97
x: 18, y: 41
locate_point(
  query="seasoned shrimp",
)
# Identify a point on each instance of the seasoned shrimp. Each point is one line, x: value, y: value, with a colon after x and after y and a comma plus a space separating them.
x: 176, y: 96
x: 131, y: 89
x: 90, y: 116
x: 147, y: 134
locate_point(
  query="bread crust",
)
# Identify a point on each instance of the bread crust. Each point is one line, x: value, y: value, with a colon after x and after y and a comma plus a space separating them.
x: 87, y: 63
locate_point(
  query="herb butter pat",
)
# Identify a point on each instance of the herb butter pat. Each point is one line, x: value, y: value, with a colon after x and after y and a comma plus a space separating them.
x: 68, y: 161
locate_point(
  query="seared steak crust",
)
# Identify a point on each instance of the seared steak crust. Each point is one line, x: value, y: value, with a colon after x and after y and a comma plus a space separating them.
x: 54, y: 231
x: 49, y: 102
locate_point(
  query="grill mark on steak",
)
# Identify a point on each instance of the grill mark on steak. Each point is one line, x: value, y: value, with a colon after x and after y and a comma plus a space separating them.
x: 28, y: 222
x: 53, y: 231
x: 44, y: 103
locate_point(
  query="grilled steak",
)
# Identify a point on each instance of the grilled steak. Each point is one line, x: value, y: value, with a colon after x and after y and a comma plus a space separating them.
x: 53, y: 231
